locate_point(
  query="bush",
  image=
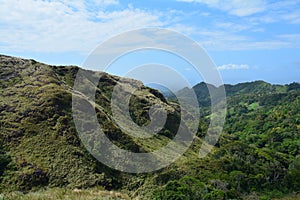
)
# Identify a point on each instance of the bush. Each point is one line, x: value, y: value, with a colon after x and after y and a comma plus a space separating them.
x: 184, y: 188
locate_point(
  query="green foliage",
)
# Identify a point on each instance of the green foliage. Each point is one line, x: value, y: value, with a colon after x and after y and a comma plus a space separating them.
x: 256, y: 156
x: 184, y: 188
x: 293, y: 176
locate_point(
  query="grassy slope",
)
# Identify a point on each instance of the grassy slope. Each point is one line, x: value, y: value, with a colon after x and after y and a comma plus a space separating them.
x: 38, y: 134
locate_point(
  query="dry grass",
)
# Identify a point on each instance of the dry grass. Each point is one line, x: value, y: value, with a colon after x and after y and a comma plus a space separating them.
x: 65, y: 194
x: 290, y: 197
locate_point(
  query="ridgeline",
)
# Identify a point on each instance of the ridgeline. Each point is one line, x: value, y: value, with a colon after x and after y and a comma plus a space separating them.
x: 257, y: 155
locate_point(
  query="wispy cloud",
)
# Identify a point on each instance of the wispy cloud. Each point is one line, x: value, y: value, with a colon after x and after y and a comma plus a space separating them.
x: 233, y: 67
x: 262, y: 11
x: 64, y: 25
x: 222, y: 40
x: 239, y: 8
x: 79, y: 26
x: 247, y: 28
x: 279, y: 11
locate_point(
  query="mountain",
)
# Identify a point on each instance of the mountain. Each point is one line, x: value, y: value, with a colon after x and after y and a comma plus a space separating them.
x: 257, y: 155
x: 38, y: 134
x: 162, y: 89
x: 249, y: 88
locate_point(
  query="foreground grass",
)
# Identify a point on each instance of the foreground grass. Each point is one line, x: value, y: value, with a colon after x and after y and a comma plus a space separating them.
x: 65, y: 194
x: 87, y: 194
x: 290, y: 197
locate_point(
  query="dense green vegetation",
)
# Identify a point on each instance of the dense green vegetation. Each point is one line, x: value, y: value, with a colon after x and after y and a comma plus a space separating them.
x: 257, y: 156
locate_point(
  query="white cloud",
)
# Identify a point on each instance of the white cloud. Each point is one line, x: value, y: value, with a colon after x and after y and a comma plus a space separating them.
x: 184, y: 29
x: 279, y: 11
x: 239, y: 8
x: 293, y: 17
x: 233, y: 67
x: 290, y: 36
x: 79, y: 26
x: 233, y: 27
x: 292, y: 39
x: 222, y: 40
x: 104, y: 2
x: 65, y: 25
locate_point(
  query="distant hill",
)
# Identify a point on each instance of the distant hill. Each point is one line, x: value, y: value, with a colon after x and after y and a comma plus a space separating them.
x: 248, y: 88
x: 165, y: 91
x: 257, y: 155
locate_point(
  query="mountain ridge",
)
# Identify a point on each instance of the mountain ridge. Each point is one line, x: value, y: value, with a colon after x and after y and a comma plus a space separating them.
x: 256, y: 155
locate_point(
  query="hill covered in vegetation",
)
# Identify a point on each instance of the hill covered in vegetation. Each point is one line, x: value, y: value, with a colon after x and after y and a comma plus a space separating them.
x: 256, y: 156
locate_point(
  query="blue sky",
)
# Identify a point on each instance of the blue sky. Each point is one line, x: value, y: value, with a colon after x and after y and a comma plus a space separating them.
x: 247, y: 40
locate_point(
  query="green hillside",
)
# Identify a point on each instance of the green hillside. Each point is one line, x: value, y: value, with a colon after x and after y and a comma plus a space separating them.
x: 257, y: 156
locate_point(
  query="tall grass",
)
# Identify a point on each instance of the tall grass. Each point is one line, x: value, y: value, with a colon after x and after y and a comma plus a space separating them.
x: 65, y: 194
